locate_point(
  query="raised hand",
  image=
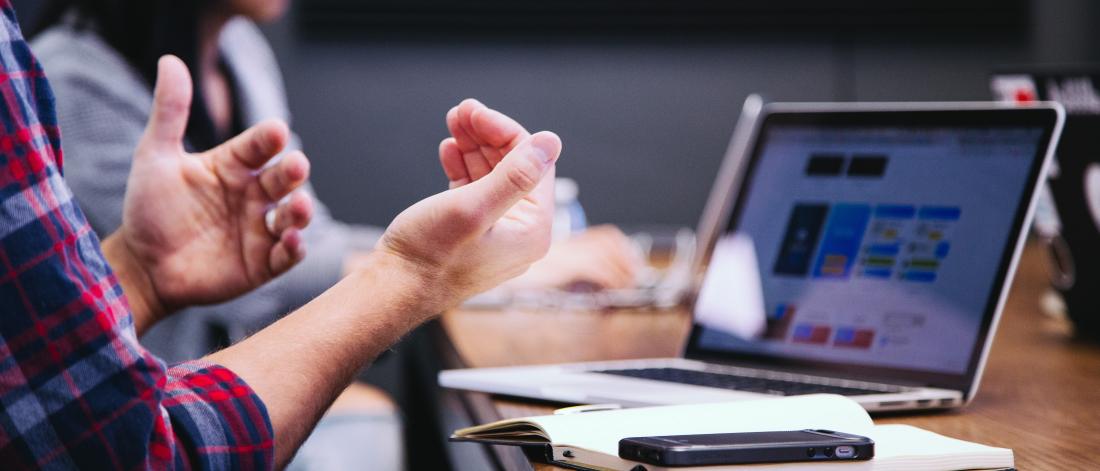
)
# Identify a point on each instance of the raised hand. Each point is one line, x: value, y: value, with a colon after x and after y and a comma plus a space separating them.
x: 493, y: 222
x: 601, y: 257
x: 480, y: 138
x: 194, y: 226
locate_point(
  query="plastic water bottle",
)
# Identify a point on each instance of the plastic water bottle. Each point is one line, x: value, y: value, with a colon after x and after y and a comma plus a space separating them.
x: 569, y: 216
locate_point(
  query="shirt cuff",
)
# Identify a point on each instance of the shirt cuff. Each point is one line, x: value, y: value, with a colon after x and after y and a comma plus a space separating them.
x: 218, y: 420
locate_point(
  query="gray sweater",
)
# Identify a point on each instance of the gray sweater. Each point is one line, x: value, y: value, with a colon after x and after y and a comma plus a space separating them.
x: 103, y: 104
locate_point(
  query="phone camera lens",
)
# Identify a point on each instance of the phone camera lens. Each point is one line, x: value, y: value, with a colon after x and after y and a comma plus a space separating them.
x: 811, y: 452
x: 829, y: 451
x: 845, y: 452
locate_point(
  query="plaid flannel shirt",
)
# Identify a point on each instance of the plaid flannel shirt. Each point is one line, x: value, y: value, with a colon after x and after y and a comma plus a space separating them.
x: 76, y: 388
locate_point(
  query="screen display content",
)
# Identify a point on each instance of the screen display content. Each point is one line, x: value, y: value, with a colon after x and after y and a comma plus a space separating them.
x: 875, y: 246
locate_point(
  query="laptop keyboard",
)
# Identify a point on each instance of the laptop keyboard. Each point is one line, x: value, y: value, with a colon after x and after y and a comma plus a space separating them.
x: 772, y: 386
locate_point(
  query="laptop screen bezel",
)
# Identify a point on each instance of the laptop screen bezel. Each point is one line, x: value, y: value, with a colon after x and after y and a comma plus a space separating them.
x: 1045, y: 118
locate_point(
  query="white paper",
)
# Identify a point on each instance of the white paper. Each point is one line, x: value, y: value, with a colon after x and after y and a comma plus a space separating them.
x: 732, y: 299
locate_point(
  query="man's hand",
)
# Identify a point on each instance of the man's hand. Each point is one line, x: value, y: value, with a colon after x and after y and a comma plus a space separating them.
x: 480, y: 138
x: 193, y: 228
x: 493, y: 222
x: 601, y: 257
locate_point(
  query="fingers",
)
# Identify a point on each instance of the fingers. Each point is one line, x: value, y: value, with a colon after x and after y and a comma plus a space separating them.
x: 286, y: 176
x: 171, y: 106
x: 450, y: 156
x: 458, y: 123
x: 615, y: 256
x: 608, y: 257
x: 253, y: 148
x: 618, y: 274
x: 468, y: 142
x: 287, y: 252
x: 291, y: 216
x: 476, y: 165
x: 475, y: 125
x: 497, y: 130
x: 482, y: 136
x: 619, y: 247
x: 520, y: 174
x: 293, y: 213
x: 604, y: 279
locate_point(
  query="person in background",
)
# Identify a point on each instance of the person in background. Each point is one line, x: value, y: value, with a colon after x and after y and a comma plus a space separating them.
x: 80, y: 392
x: 101, y: 56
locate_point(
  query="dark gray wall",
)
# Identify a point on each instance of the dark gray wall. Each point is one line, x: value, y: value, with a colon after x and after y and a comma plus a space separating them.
x: 645, y: 118
x: 644, y: 124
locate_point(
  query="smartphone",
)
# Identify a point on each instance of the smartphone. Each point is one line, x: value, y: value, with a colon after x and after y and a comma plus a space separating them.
x: 744, y: 448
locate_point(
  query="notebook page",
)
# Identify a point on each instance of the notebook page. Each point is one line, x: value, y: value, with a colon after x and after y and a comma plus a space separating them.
x: 897, y: 448
x: 904, y: 447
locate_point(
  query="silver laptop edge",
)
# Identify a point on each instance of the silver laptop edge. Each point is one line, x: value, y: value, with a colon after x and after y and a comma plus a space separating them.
x: 715, y: 218
x: 578, y: 383
x: 1021, y: 240
x: 720, y: 202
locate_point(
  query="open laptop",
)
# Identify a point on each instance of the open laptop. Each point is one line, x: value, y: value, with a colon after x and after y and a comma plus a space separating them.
x: 857, y: 249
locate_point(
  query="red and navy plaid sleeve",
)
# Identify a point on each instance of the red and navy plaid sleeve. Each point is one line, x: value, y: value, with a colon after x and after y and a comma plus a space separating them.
x: 77, y: 391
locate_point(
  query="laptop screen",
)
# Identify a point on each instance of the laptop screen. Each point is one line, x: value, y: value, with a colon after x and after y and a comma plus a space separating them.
x: 879, y: 246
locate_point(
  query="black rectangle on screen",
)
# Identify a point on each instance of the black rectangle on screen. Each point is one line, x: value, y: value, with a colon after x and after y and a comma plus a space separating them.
x: 867, y: 166
x: 825, y: 165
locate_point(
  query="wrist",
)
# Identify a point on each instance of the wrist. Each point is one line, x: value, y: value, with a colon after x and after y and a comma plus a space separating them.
x: 141, y: 294
x: 355, y: 261
x: 410, y: 287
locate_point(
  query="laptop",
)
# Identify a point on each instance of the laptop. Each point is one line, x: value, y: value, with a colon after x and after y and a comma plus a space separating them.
x: 857, y: 249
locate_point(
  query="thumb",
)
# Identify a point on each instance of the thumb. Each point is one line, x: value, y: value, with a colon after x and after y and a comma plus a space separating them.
x: 171, y: 104
x: 517, y: 175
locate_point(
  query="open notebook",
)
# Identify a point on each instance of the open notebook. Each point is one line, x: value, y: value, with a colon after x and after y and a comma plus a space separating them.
x: 590, y: 440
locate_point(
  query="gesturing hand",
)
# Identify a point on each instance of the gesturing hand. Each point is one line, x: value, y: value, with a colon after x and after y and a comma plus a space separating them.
x: 193, y: 227
x: 480, y: 138
x: 493, y: 222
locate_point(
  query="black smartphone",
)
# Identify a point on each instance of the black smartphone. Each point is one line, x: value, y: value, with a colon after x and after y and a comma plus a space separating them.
x: 744, y: 448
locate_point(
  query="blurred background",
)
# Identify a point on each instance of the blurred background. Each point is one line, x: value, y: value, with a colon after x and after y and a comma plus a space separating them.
x: 644, y: 93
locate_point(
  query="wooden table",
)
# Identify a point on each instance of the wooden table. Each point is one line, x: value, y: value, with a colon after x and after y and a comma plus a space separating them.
x: 1040, y: 394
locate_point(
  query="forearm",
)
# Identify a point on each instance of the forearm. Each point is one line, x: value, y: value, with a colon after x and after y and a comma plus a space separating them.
x: 135, y: 283
x: 301, y: 363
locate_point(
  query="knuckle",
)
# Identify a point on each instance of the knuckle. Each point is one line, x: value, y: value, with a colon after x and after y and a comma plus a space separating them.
x: 171, y: 104
x: 522, y: 178
x: 295, y: 216
x: 257, y: 144
x: 278, y: 178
